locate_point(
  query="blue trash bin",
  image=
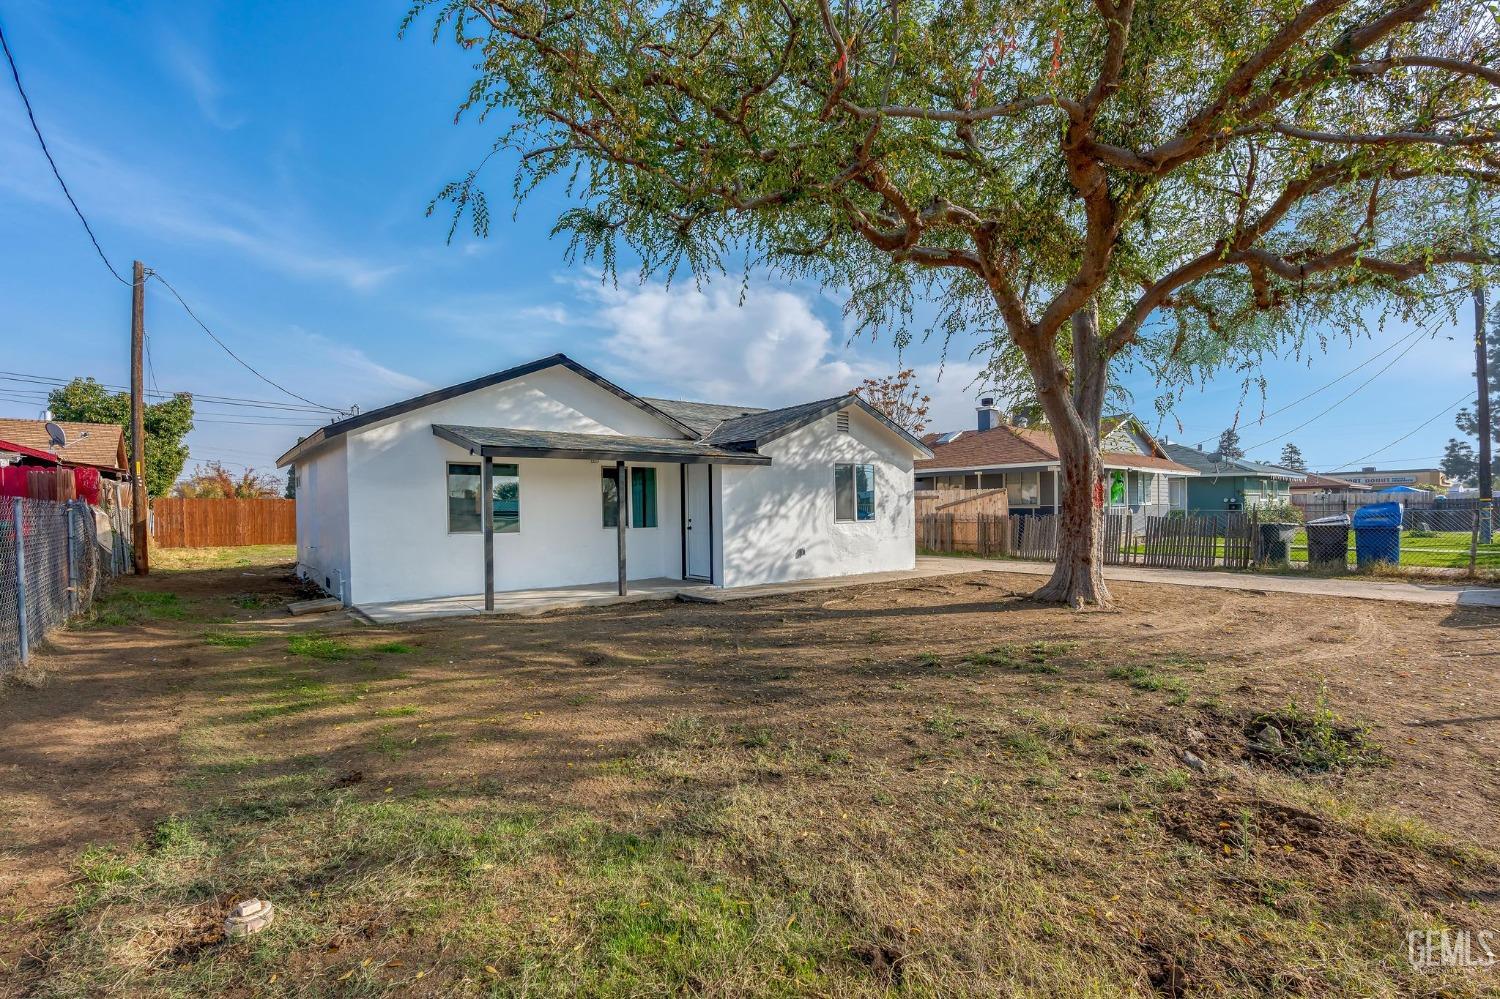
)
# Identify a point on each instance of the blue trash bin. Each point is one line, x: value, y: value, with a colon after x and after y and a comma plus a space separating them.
x: 1377, y: 534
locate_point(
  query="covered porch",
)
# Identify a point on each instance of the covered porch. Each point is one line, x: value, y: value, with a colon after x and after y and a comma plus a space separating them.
x: 624, y: 462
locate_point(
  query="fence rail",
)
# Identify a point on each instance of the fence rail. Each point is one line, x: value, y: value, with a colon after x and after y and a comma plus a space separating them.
x: 1430, y: 538
x: 54, y: 557
x: 209, y: 523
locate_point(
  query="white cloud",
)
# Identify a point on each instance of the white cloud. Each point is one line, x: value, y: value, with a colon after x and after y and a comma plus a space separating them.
x: 772, y: 350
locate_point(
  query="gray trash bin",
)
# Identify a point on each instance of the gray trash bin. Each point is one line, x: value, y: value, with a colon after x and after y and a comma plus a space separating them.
x: 1276, y: 543
x: 1328, y: 541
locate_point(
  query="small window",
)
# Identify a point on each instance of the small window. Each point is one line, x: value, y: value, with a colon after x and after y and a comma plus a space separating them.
x: 609, y: 485
x: 1177, y: 493
x: 643, y: 497
x: 854, y: 492
x: 465, y: 514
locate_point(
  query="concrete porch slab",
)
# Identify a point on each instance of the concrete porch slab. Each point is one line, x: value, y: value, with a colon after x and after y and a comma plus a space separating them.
x: 527, y: 602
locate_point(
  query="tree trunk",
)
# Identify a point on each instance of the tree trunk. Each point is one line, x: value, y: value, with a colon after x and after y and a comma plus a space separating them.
x: 1078, y: 578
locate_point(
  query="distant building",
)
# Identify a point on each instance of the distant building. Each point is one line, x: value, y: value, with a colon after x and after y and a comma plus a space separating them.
x: 1138, y: 475
x: 1375, y: 478
x: 87, y: 445
x: 1232, y: 483
x: 1315, y: 483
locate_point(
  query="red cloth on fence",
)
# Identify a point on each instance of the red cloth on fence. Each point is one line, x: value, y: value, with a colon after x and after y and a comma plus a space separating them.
x: 86, y: 485
x: 13, y: 480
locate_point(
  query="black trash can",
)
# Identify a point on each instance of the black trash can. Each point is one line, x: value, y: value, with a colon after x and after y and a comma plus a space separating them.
x: 1328, y: 542
x: 1276, y: 543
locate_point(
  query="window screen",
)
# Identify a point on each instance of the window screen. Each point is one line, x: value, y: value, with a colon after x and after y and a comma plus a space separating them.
x: 854, y: 492
x: 465, y: 482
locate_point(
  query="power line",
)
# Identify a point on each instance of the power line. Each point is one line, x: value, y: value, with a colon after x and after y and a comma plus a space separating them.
x: 1340, y: 402
x: 1468, y: 397
x: 31, y: 115
x: 226, y: 400
x: 15, y: 74
x: 225, y: 347
x: 1327, y: 385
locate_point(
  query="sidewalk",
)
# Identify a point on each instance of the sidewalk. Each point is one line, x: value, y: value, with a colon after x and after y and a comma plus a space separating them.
x: 1398, y: 591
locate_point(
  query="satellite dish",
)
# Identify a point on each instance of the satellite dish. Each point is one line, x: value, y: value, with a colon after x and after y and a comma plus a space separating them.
x: 56, y: 435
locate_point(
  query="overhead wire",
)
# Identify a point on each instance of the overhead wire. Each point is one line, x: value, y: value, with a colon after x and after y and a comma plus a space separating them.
x: 1467, y: 398
x: 15, y: 75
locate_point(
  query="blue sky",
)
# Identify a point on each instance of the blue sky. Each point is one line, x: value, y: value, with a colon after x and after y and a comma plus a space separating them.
x: 275, y: 161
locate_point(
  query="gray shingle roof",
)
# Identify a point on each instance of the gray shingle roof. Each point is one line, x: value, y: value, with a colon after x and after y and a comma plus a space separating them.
x: 702, y: 417
x: 1210, y: 463
x: 516, y: 443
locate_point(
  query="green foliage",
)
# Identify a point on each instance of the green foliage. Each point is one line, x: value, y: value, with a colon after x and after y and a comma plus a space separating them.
x: 1291, y: 457
x: 318, y: 647
x: 84, y: 400
x: 1008, y: 160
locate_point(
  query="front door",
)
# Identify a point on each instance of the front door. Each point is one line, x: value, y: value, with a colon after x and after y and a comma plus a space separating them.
x: 698, y: 523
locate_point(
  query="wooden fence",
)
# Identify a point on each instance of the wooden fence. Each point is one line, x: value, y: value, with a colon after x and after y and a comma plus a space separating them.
x: 1176, y: 541
x: 207, y: 523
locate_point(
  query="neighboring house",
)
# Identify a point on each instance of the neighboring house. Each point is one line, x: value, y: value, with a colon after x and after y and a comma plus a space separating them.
x: 87, y: 445
x: 1232, y: 483
x: 1312, y: 482
x: 1140, y: 477
x: 389, y: 502
x: 1434, y: 478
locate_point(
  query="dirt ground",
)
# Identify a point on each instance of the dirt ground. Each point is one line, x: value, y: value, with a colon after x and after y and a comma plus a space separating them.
x: 905, y: 768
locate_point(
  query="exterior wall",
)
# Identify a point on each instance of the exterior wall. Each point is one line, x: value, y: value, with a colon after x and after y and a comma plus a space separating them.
x: 1209, y: 492
x: 398, y: 514
x: 777, y: 522
x: 323, y: 518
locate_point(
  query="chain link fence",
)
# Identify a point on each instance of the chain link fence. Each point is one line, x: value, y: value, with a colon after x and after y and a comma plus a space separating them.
x: 54, y: 558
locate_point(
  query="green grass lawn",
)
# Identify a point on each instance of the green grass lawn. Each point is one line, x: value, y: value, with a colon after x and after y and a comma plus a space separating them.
x: 1437, y: 549
x: 246, y: 556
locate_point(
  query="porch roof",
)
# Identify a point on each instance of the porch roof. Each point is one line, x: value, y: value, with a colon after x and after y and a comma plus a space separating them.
x: 511, y: 442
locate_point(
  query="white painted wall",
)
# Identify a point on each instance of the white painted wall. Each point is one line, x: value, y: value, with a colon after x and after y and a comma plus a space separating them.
x: 398, y: 514
x: 323, y: 517
x: 777, y: 522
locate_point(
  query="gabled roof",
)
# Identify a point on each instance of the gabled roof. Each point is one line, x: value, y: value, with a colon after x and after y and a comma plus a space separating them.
x: 1005, y: 445
x: 703, y: 417
x: 1210, y: 463
x: 337, y: 429
x: 509, y: 442
x: 758, y: 429
x: 98, y: 445
x: 713, y: 430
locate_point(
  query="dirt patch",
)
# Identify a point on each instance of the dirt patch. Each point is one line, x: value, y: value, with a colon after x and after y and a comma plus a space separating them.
x: 938, y: 785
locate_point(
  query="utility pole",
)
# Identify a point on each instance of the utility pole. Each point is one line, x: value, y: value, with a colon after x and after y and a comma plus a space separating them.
x: 138, y: 508
x: 1482, y: 417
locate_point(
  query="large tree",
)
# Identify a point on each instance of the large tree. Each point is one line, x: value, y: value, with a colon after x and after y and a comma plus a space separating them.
x: 167, y: 423
x: 899, y: 397
x: 1176, y: 184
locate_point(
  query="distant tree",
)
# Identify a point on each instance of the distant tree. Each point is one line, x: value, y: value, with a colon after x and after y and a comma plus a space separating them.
x: 213, y: 481
x: 1467, y: 420
x: 167, y: 422
x: 1291, y: 457
x: 291, y: 484
x: 899, y: 397
x: 1176, y: 185
x: 1229, y: 444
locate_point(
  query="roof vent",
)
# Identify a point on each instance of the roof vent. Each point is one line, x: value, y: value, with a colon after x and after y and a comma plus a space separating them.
x: 843, y: 421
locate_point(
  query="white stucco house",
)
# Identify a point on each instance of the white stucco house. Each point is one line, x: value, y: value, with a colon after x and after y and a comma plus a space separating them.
x: 389, y: 502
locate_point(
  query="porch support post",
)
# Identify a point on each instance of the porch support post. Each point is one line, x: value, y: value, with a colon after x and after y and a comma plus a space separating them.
x: 487, y: 518
x: 621, y: 486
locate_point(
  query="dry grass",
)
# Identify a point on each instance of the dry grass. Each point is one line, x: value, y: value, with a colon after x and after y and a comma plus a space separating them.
x: 935, y: 788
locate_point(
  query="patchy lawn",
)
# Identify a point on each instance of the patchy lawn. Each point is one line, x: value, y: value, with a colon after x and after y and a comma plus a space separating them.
x: 934, y: 787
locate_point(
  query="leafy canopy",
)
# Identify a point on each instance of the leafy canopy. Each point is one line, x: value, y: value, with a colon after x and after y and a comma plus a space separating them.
x: 1209, y: 176
x: 167, y: 422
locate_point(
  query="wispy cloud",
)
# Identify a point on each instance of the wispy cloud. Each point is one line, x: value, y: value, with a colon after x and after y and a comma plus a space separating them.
x: 189, y: 66
x: 159, y: 205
